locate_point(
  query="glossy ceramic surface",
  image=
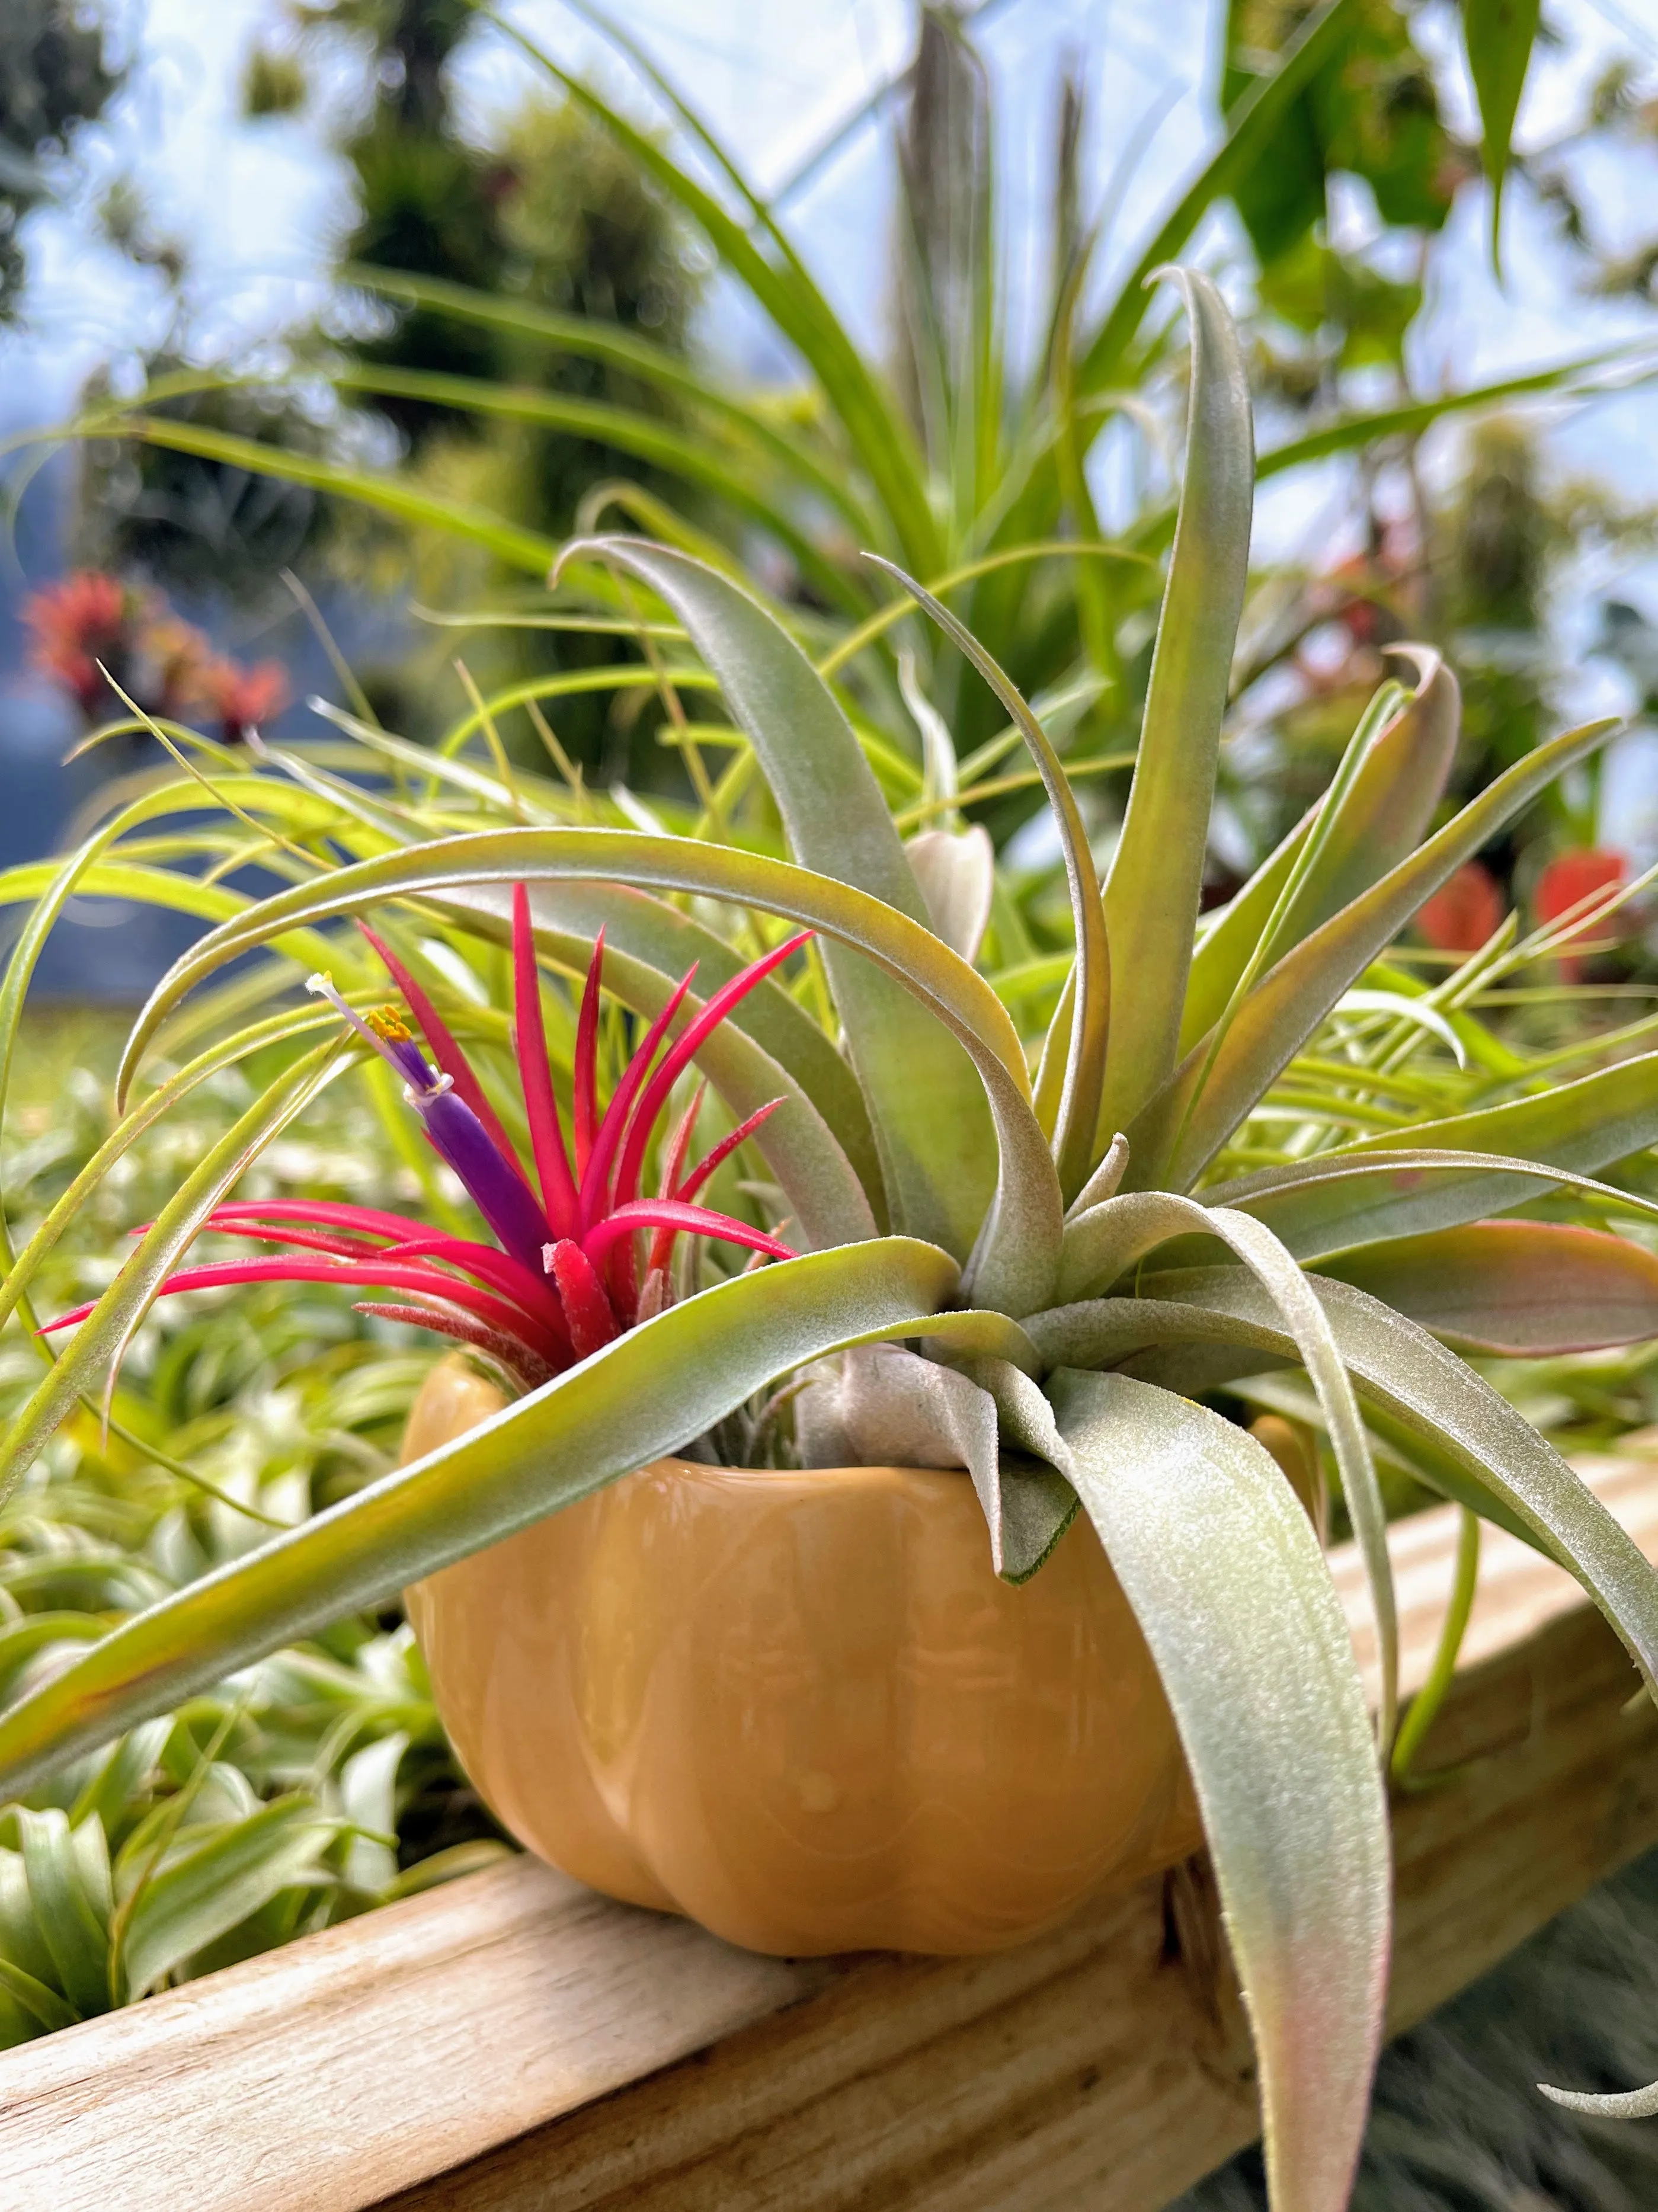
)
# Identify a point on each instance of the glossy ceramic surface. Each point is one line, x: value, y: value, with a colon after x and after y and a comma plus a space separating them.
x: 799, y: 1707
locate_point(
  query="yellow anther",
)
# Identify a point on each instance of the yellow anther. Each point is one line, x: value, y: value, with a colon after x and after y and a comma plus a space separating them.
x: 386, y: 1022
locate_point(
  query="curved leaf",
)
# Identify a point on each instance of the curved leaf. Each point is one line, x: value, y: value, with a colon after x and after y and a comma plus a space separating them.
x: 1100, y: 1243
x: 937, y: 1149
x: 1415, y: 1379
x: 1434, y: 1174
x: 647, y: 946
x: 1013, y: 1262
x: 1228, y: 1583
x: 646, y: 1394
x: 209, y: 1890
x: 1152, y: 890
x: 1527, y: 1288
x: 591, y: 338
x: 692, y: 457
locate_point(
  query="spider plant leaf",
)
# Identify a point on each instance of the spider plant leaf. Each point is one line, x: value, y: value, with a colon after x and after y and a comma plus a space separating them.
x: 1014, y: 1259
x: 1226, y: 1579
x: 91, y: 1359
x: 1438, y: 1175
x: 1419, y: 1382
x: 783, y: 290
x: 938, y: 1149
x: 1252, y: 126
x: 698, y: 458
x: 204, y: 1892
x: 1109, y: 1237
x: 1074, y: 1151
x: 1529, y: 1289
x: 388, y: 493
x: 69, y: 1892
x: 649, y: 1393
x: 591, y: 338
x: 44, y: 2012
x: 1382, y: 816
x: 1155, y: 877
x: 1185, y: 1124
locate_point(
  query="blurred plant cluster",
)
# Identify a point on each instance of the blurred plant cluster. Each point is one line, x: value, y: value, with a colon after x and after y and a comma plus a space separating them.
x: 310, y: 1786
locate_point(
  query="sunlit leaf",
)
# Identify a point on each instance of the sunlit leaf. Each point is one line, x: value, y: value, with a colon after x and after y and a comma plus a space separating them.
x: 1226, y: 1579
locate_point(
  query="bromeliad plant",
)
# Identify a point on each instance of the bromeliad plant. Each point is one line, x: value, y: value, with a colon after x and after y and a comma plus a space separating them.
x: 1075, y: 1259
x: 560, y: 1282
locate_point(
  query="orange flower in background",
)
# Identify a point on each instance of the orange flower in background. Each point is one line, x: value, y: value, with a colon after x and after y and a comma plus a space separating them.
x: 74, y: 625
x: 1569, y: 880
x: 1464, y: 911
x: 244, y: 697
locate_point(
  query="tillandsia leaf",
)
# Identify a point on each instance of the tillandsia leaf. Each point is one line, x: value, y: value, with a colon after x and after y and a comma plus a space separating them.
x: 1412, y: 1377
x: 1074, y: 1147
x: 1180, y: 1131
x: 938, y: 1150
x: 1529, y: 1289
x: 1226, y: 1579
x: 93, y: 1358
x: 1102, y: 1242
x: 1017, y: 1253
x: 1380, y: 819
x: 649, y: 1393
x: 956, y: 871
x: 877, y: 1404
x: 1156, y: 879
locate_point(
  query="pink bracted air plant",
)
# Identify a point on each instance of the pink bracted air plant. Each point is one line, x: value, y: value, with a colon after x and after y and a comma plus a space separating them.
x: 561, y: 1280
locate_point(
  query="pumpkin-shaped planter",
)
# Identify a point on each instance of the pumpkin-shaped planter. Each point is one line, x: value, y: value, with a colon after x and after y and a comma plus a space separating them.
x: 800, y: 1706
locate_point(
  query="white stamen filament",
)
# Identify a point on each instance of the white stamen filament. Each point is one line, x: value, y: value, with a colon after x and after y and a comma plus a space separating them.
x: 321, y: 986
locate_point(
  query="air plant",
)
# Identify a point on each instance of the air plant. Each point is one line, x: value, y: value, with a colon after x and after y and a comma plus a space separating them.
x: 561, y: 1280
x: 1078, y: 1257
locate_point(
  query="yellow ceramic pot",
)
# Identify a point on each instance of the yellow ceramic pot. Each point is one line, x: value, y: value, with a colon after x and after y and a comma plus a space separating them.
x: 800, y: 1708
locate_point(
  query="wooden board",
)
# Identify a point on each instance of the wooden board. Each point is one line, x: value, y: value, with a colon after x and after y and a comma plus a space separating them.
x: 513, y: 2044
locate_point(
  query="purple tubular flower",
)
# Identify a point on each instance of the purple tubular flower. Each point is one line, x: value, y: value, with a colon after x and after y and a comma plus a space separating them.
x: 498, y: 1191
x: 455, y: 1132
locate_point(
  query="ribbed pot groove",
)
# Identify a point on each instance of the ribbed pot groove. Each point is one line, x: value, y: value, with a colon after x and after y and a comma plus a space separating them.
x: 800, y: 1708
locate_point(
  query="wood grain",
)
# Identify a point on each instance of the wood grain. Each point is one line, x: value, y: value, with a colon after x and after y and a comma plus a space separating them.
x: 513, y: 2044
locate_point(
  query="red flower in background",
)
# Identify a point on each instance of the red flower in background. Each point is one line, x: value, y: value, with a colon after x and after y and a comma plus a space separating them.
x: 74, y: 625
x: 562, y: 1278
x: 93, y: 622
x: 1576, y: 878
x: 1465, y: 912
